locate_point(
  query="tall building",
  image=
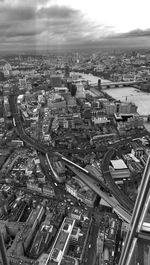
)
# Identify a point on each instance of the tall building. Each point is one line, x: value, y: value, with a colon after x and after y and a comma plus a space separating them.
x: 1, y: 104
x: 23, y: 83
x: 2, y: 77
x: 67, y: 71
x: 99, y: 84
x: 80, y: 91
x: 6, y: 107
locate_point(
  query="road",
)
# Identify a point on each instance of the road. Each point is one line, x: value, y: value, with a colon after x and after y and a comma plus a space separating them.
x: 92, y: 250
x: 45, y: 169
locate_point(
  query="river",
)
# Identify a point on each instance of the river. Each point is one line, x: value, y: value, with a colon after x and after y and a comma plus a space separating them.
x: 90, y: 78
x: 129, y: 94
x: 141, y: 100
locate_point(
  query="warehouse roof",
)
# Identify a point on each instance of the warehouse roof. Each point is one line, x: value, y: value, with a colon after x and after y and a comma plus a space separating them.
x: 118, y: 164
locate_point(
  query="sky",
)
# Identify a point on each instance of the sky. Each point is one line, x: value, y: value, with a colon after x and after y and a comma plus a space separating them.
x: 48, y: 24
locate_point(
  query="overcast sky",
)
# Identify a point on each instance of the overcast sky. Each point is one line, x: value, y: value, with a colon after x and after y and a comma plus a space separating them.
x: 38, y: 24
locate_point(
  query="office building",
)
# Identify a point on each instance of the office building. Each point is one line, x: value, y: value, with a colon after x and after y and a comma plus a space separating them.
x: 67, y: 71
x: 78, y: 189
x: 22, y: 83
x: 99, y: 84
x: 120, y: 108
x: 1, y: 104
x: 59, y: 247
x: 80, y: 93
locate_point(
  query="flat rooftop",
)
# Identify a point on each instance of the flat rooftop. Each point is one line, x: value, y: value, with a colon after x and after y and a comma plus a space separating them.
x: 61, y: 240
x: 118, y: 164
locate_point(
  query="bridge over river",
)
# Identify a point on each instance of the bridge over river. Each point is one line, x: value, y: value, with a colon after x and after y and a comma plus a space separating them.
x: 110, y: 84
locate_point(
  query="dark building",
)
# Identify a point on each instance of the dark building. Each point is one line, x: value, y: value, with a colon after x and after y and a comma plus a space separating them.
x: 99, y: 84
x: 67, y: 71
x: 1, y: 106
x: 72, y: 88
x: 2, y: 77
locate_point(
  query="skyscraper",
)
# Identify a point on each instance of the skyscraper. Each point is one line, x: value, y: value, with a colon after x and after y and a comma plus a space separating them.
x: 1, y: 104
x: 99, y: 84
x: 67, y: 71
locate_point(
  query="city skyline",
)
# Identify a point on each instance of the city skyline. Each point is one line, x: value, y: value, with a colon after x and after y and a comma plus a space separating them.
x: 75, y: 157
x: 60, y: 24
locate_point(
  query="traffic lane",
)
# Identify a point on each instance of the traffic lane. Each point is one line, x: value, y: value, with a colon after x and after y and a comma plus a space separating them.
x: 92, y: 244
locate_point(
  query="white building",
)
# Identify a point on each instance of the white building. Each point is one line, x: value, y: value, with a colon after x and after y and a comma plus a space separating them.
x: 80, y: 91
x: 118, y: 169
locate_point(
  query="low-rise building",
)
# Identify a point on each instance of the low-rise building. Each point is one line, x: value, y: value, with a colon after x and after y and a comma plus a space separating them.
x: 48, y: 191
x: 79, y: 190
x: 76, y: 213
x: 118, y: 169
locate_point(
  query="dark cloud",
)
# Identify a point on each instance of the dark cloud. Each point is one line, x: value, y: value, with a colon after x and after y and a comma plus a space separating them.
x: 58, y: 12
x: 64, y: 26
x: 22, y: 26
x: 48, y: 26
x: 18, y: 13
x: 133, y: 39
x: 124, y: 42
x: 18, y: 21
x: 22, y: 13
x: 137, y: 33
x: 17, y: 32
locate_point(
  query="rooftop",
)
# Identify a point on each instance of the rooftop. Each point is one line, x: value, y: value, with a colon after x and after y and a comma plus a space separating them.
x: 61, y: 240
x: 118, y: 164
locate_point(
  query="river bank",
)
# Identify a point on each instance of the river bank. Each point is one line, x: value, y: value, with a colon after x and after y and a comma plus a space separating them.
x: 130, y: 94
x: 91, y: 78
